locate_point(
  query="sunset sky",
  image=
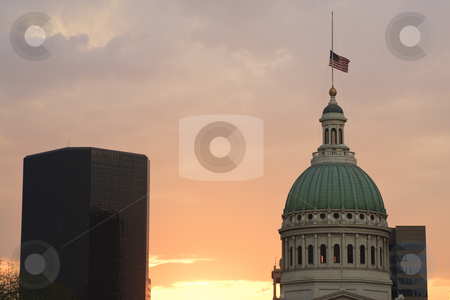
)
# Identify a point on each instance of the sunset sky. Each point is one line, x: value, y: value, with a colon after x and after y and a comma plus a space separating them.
x: 126, y: 72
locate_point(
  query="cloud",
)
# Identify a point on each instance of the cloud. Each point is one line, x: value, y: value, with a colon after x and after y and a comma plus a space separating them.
x: 440, y: 283
x: 218, y: 290
x: 119, y: 61
x: 155, y: 260
x: 438, y: 289
x: 263, y: 290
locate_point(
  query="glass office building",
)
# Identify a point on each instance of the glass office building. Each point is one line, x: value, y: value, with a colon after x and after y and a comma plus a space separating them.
x: 86, y: 213
x: 408, y: 262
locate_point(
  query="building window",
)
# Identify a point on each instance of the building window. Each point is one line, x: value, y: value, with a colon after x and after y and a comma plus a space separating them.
x: 323, y: 254
x: 341, y: 137
x: 362, y: 254
x: 327, y: 137
x: 310, y: 254
x: 350, y: 254
x: 290, y: 256
x: 299, y: 255
x: 372, y: 255
x: 337, y: 254
x: 381, y: 257
x: 333, y: 136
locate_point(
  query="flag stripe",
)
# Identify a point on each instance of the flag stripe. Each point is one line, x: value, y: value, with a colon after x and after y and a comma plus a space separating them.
x: 338, y: 62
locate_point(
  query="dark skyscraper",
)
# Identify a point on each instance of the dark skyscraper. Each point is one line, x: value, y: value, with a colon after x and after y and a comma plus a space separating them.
x: 408, y: 262
x: 85, y: 222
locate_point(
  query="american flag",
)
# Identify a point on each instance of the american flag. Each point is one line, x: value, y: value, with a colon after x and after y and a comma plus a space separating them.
x: 340, y: 62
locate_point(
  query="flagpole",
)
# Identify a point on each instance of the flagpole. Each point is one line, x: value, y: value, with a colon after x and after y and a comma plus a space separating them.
x: 332, y: 53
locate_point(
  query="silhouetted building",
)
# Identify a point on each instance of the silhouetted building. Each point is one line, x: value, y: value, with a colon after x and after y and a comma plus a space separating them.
x: 276, y: 279
x: 86, y: 214
x: 334, y: 231
x: 408, y: 262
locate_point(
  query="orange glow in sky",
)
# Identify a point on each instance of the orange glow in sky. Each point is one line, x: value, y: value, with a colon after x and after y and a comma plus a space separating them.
x: 125, y: 73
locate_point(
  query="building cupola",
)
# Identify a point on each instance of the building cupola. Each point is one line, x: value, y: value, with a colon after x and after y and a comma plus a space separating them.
x: 333, y: 148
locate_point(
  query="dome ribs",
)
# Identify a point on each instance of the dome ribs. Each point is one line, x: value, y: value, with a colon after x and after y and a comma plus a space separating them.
x: 352, y: 189
x: 379, y: 205
x: 341, y: 190
x: 301, y: 193
x: 371, y: 205
x: 362, y: 203
x: 334, y: 185
x: 318, y: 188
x: 335, y: 191
x: 308, y: 187
x: 329, y: 187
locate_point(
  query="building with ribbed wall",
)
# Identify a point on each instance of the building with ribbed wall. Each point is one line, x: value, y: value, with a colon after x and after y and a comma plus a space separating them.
x: 86, y: 212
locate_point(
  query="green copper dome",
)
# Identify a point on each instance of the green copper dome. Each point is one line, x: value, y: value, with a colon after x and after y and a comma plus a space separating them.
x: 332, y: 108
x: 334, y: 185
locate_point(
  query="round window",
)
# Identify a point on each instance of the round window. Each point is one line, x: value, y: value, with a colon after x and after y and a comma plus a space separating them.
x: 349, y: 216
x: 361, y: 216
x: 336, y: 215
x: 299, y: 217
x: 372, y: 217
x: 323, y: 216
x: 310, y: 216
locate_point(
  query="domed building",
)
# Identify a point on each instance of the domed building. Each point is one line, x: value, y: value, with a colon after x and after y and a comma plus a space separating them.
x: 335, y: 237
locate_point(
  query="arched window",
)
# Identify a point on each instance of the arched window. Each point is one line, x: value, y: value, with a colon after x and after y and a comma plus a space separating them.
x: 290, y: 256
x: 350, y: 254
x: 362, y: 254
x: 372, y: 255
x: 310, y: 254
x: 333, y: 136
x: 337, y: 254
x: 323, y: 254
x: 341, y: 137
x: 381, y: 257
x: 299, y: 255
x: 327, y: 137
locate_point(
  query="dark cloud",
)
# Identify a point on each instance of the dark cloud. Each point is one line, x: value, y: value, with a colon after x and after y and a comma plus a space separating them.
x: 125, y: 72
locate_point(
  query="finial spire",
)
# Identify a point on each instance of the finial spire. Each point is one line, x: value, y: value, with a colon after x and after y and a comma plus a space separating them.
x: 332, y: 53
x: 332, y: 92
x: 336, y: 61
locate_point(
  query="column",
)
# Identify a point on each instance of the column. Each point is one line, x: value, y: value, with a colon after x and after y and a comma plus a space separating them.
x: 386, y: 262
x: 316, y: 252
x: 337, y: 134
x: 294, y: 252
x: 290, y: 246
x: 356, y: 258
x: 343, y: 248
x: 377, y: 253
x: 329, y: 250
x: 367, y: 251
x: 304, y: 262
x: 286, y: 254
